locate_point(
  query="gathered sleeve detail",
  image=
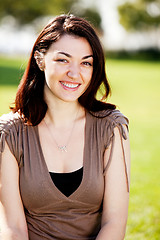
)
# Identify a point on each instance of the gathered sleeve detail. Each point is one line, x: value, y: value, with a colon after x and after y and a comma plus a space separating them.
x: 2, y: 144
x: 112, y: 120
x: 11, y: 133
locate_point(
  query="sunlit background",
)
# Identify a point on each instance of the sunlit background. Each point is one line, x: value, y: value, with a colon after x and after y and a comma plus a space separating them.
x: 130, y: 34
x: 125, y: 25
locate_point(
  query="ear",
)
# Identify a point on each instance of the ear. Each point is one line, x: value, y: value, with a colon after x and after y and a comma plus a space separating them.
x: 39, y: 57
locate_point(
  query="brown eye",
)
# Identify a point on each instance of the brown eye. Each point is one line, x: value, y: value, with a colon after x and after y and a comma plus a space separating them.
x: 62, y: 60
x: 87, y: 63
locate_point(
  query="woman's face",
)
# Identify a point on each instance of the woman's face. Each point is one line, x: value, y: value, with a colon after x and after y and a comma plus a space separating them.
x: 68, y: 68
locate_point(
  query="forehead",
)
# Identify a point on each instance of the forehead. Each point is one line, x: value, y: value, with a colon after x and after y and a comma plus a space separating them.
x: 71, y: 44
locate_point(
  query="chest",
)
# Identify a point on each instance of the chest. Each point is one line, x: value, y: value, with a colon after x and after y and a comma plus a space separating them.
x: 64, y: 154
x: 39, y: 193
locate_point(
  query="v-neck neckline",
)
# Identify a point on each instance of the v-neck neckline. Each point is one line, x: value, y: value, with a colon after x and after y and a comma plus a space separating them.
x: 83, y: 183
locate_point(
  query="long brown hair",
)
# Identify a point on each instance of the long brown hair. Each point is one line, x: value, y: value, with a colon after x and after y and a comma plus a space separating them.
x: 30, y: 101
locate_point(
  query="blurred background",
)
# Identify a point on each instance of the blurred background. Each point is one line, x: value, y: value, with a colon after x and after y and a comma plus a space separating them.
x: 123, y: 25
x: 130, y: 35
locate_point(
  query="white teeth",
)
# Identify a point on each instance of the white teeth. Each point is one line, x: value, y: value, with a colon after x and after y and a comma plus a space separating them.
x: 70, y: 85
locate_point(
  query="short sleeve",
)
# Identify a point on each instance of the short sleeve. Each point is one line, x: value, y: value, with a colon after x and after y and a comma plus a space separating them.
x: 115, y: 119
x: 11, y: 133
x: 108, y: 121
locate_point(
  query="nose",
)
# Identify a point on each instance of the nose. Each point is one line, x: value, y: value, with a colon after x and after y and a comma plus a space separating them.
x: 73, y: 71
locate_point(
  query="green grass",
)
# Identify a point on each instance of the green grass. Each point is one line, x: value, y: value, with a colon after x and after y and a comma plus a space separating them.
x: 135, y: 87
x: 135, y: 90
x: 11, y: 70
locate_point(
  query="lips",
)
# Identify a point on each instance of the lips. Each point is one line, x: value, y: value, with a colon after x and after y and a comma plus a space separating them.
x: 68, y: 85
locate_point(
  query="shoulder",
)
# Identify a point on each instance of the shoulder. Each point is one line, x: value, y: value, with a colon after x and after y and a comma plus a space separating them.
x: 11, y: 128
x: 114, y: 117
x: 10, y: 121
x: 107, y: 121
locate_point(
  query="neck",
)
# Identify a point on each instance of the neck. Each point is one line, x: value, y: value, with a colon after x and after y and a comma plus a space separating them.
x: 62, y: 114
x: 62, y: 122
x: 59, y: 112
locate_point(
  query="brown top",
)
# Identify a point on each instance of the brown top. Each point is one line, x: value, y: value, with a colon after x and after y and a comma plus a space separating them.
x: 49, y: 213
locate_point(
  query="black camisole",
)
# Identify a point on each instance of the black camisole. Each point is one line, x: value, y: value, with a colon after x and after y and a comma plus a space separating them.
x: 67, y: 183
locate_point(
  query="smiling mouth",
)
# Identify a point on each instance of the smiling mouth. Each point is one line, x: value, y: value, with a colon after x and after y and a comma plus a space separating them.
x: 70, y: 85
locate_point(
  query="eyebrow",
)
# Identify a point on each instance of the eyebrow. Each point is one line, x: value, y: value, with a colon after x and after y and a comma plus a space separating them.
x: 68, y: 55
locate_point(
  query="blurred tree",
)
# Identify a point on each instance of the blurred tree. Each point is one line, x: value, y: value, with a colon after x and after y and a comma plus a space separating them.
x: 140, y: 15
x: 93, y: 16
x: 25, y: 11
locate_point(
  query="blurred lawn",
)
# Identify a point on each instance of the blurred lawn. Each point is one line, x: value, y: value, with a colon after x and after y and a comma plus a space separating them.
x: 11, y: 71
x: 135, y: 90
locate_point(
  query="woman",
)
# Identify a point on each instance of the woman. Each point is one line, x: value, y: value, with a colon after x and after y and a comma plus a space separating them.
x: 65, y: 167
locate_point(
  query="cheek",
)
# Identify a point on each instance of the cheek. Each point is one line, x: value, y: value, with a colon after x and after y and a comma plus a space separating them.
x: 87, y: 73
x: 89, y: 76
x: 88, y: 81
x: 50, y: 69
x: 52, y: 72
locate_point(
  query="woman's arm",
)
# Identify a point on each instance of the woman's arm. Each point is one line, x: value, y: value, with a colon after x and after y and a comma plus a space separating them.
x: 116, y: 196
x: 12, y: 219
